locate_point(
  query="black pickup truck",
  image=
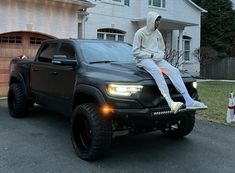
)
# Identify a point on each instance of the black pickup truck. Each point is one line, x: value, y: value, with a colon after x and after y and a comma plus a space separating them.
x: 97, y: 84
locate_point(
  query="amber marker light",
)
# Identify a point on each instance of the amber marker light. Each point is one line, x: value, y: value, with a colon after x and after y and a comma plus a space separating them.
x: 106, y: 110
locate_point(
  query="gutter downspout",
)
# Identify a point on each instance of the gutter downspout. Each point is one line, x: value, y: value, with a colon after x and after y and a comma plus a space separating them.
x: 82, y: 18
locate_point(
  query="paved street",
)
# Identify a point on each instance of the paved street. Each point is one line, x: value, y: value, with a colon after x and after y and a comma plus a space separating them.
x: 41, y: 143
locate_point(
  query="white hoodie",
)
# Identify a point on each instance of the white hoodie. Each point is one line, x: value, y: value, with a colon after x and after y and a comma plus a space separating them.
x: 148, y: 40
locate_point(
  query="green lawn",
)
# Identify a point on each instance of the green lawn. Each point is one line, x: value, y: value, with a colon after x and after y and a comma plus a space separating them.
x: 215, y: 95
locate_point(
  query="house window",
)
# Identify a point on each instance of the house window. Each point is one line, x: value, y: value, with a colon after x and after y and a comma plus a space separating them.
x: 186, y: 42
x: 186, y: 50
x: 121, y: 37
x: 121, y: 2
x: 79, y: 30
x: 34, y: 40
x: 100, y: 36
x: 110, y: 34
x: 187, y: 45
x: 158, y: 3
x: 10, y: 39
x: 127, y: 2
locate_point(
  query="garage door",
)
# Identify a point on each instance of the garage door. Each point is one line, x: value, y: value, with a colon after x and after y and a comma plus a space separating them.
x: 15, y: 44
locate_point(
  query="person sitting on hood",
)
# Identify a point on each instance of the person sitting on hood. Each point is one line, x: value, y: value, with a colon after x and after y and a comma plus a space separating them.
x: 149, y: 51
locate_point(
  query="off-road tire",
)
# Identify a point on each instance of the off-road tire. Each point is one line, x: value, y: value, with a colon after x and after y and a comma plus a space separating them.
x: 91, y: 133
x: 17, y: 101
x: 182, y: 126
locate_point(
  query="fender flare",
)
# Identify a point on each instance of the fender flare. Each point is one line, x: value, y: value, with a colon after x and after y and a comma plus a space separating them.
x: 90, y: 90
x: 21, y: 80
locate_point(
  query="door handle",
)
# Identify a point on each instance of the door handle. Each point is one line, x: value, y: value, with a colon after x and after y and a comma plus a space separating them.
x: 54, y: 73
x: 35, y: 69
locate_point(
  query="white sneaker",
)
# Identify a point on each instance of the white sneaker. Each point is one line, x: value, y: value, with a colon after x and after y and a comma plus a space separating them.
x: 196, y: 105
x: 175, y: 106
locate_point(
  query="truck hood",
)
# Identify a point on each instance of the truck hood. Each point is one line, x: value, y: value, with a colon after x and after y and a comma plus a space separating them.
x: 123, y: 72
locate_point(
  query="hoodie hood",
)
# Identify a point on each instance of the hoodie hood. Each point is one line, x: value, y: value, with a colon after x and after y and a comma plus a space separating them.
x: 151, y: 17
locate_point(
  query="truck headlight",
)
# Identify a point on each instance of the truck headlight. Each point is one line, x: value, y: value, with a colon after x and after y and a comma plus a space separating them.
x: 195, y: 85
x: 123, y: 90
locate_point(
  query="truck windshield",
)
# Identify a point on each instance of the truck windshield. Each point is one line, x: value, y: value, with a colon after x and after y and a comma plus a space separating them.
x: 95, y: 52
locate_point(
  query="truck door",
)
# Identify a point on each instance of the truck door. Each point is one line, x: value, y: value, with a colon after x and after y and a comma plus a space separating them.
x: 64, y: 76
x: 53, y: 84
x: 40, y: 73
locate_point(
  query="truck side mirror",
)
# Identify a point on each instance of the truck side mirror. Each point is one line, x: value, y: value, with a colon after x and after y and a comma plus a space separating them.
x: 62, y: 60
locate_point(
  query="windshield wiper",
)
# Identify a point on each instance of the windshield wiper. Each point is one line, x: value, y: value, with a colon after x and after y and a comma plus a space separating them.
x: 106, y: 61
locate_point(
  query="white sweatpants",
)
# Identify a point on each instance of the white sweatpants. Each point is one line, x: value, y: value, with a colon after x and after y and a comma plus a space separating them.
x: 155, y: 69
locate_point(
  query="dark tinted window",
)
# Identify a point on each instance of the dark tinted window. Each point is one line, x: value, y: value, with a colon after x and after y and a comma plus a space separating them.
x: 67, y: 50
x: 47, y: 52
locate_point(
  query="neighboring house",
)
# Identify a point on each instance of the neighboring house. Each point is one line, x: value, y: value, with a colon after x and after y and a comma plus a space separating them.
x: 26, y: 23
x: 120, y: 19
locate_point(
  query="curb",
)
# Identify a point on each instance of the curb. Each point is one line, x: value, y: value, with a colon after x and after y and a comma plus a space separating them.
x: 208, y: 80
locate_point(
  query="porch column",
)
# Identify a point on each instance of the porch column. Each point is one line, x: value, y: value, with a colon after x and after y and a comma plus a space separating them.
x: 180, y: 51
x: 180, y: 41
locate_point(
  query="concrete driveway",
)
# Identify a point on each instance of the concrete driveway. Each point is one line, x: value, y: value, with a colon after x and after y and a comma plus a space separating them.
x: 41, y: 143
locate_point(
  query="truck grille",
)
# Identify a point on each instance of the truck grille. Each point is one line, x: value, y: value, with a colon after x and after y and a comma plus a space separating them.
x: 151, y: 96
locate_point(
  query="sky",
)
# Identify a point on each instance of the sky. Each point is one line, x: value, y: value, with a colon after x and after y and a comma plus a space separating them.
x: 233, y: 3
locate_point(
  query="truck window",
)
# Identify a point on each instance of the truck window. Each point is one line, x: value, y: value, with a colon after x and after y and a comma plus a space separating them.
x: 67, y: 50
x: 47, y: 52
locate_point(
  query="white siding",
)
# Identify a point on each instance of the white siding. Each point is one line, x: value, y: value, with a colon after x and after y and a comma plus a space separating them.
x: 108, y: 15
x: 56, y: 20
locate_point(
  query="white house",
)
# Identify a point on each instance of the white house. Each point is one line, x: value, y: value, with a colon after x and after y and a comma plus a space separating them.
x: 119, y: 19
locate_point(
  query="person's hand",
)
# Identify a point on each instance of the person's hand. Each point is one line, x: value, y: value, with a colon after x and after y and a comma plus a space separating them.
x: 158, y: 56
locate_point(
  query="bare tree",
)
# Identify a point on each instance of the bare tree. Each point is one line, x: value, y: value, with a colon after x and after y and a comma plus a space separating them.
x: 175, y: 58
x: 205, y: 56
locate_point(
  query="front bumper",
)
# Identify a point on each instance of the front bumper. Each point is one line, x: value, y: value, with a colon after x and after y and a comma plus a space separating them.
x: 151, y: 113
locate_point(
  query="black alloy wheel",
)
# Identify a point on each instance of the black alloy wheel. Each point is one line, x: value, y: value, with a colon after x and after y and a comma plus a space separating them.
x: 17, y: 102
x: 180, y: 127
x: 91, y: 133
